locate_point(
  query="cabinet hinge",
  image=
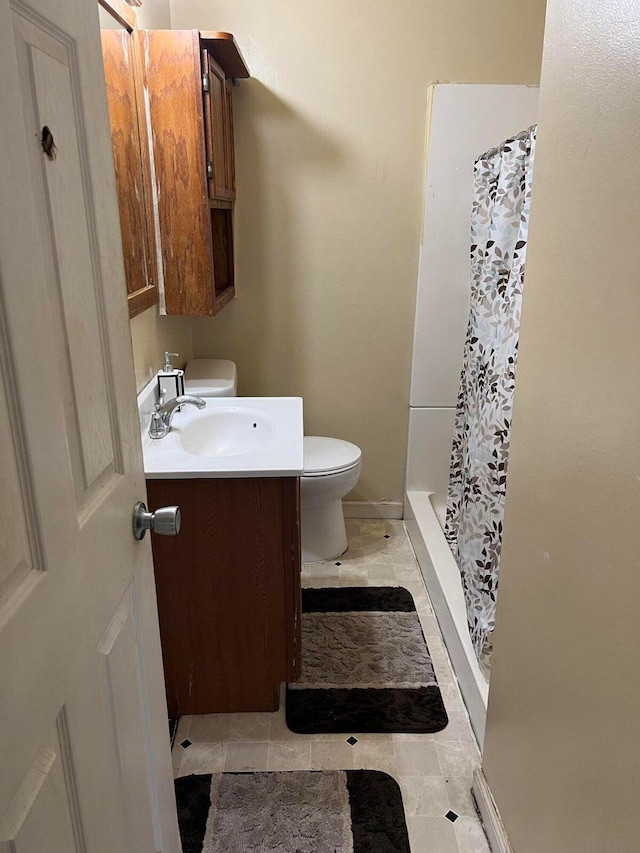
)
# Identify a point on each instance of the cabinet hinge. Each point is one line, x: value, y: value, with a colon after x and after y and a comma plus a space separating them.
x: 209, y: 169
x: 205, y: 82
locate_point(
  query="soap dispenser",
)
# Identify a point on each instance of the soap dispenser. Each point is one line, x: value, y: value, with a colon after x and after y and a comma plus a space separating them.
x: 170, y: 379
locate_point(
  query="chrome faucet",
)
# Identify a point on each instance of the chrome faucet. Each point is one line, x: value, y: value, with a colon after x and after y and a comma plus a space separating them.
x: 163, y: 416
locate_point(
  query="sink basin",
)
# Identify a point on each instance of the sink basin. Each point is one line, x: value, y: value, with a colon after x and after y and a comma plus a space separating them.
x: 229, y: 437
x: 228, y: 431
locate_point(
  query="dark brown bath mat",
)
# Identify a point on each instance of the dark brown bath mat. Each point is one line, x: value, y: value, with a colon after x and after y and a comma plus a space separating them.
x: 323, y: 811
x: 365, y: 665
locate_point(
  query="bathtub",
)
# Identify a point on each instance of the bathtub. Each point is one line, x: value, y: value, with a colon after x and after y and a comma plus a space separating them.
x: 442, y: 579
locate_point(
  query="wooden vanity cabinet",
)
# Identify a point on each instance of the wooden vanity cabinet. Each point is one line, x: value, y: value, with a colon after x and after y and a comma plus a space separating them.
x: 228, y: 589
x: 189, y: 98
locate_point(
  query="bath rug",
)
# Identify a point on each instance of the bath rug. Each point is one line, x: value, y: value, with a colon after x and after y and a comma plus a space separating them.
x: 365, y: 665
x: 308, y: 811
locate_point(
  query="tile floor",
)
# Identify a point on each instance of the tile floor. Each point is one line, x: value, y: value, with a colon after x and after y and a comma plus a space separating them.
x: 434, y: 770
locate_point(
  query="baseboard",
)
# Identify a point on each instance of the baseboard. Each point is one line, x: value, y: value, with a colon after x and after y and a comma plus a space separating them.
x: 373, y: 509
x: 493, y: 826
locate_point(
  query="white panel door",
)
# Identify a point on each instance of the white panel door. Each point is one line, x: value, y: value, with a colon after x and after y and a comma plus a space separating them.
x: 84, y: 752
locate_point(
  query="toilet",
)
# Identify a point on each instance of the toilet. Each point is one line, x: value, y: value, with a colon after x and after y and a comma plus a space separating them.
x: 211, y: 377
x: 331, y: 466
x: 331, y: 470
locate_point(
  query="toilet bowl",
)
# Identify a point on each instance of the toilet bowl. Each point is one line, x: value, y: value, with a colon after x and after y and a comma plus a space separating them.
x: 331, y: 470
x: 331, y: 467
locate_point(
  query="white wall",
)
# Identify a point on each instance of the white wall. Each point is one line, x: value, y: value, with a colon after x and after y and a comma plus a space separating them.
x: 465, y: 121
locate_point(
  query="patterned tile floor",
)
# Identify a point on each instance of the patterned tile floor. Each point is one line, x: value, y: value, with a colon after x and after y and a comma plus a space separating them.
x: 434, y: 770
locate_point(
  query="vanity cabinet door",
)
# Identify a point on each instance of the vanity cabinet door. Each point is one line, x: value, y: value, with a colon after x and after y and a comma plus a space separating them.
x: 293, y: 569
x: 228, y: 592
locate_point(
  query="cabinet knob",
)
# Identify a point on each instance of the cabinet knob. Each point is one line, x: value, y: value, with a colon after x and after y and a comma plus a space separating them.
x: 164, y: 521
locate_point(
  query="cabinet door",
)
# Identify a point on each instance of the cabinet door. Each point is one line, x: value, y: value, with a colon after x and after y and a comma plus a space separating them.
x: 228, y: 592
x: 173, y: 86
x: 293, y: 569
x: 228, y: 139
x: 218, y: 132
x: 130, y: 147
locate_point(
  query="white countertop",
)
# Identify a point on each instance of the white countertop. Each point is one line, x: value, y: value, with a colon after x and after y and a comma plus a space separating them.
x: 280, y: 456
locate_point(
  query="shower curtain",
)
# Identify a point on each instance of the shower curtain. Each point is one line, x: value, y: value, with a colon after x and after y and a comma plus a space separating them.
x: 478, y: 473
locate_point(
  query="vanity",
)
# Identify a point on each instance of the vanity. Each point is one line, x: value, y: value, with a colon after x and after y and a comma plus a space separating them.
x: 228, y: 586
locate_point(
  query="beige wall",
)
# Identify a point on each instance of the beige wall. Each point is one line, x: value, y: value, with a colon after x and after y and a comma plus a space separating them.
x: 330, y: 161
x: 152, y: 334
x: 562, y: 749
x: 154, y: 14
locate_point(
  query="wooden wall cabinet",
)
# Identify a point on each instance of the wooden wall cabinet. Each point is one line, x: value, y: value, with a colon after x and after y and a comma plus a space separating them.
x: 228, y: 589
x: 187, y: 78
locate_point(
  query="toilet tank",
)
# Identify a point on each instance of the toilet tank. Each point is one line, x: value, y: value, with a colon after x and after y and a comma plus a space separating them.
x: 211, y: 377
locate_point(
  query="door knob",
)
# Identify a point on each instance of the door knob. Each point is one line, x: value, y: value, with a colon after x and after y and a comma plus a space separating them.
x: 165, y: 521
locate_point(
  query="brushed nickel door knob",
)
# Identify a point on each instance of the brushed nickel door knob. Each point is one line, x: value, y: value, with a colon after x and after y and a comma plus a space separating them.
x: 164, y: 521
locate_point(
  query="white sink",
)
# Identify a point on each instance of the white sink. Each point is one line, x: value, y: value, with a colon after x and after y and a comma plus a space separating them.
x: 228, y: 431
x: 230, y: 437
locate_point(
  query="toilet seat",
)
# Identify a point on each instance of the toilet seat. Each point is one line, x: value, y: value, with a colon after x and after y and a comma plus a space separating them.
x: 324, y: 456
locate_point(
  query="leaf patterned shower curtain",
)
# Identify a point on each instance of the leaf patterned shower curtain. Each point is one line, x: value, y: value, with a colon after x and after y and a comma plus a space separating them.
x: 478, y: 473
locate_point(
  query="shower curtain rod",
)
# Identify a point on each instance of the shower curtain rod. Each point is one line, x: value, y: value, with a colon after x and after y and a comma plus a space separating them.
x: 525, y: 134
